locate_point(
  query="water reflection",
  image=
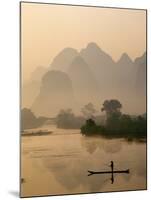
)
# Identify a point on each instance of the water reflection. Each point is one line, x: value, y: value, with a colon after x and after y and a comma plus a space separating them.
x: 66, y: 158
x: 93, y: 143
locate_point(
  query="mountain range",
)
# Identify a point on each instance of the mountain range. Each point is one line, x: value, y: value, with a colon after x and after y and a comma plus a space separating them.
x: 74, y: 79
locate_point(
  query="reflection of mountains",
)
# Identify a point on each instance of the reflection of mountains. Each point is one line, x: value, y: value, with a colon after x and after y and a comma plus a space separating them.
x: 71, y: 171
x: 93, y: 76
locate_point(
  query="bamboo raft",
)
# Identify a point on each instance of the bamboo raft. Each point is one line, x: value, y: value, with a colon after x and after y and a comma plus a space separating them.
x: 127, y: 171
x: 112, y: 172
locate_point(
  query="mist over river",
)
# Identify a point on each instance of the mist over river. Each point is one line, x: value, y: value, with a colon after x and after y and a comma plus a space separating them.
x: 58, y: 163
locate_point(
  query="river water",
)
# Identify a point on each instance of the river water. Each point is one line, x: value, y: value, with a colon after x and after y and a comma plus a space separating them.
x: 57, y: 163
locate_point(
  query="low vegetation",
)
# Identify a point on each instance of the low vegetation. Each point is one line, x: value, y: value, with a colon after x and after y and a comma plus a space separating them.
x: 117, y: 124
x: 29, y: 120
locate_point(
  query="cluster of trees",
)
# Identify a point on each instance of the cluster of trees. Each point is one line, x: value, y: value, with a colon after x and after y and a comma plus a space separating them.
x: 66, y: 119
x: 29, y: 120
x: 117, y: 124
x: 88, y: 110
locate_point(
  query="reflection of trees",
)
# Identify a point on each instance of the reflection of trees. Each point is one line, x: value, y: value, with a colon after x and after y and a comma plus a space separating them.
x: 109, y: 146
x: 94, y: 153
x: 112, y: 146
x: 72, y: 173
x: 89, y: 144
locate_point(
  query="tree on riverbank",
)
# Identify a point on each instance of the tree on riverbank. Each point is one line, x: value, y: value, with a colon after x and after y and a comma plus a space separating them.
x: 29, y: 120
x: 117, y: 124
x: 111, y: 107
x: 88, y: 110
x: 67, y: 120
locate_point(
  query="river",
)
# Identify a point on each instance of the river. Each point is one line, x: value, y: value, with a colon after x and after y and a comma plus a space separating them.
x: 57, y: 163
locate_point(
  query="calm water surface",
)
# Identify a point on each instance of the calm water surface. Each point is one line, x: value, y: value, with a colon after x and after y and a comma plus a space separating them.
x: 58, y: 163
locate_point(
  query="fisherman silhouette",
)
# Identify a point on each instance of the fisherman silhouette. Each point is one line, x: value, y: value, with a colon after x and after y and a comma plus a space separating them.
x: 112, y: 175
x: 111, y: 165
x: 112, y: 172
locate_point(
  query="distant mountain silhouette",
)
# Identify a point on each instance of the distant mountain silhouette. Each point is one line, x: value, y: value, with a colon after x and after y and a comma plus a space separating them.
x: 90, y: 75
x: 101, y: 64
x: 95, y: 56
x: 125, y: 73
x: 125, y: 58
x: 63, y: 60
x: 55, y: 93
x: 140, y: 63
x: 30, y: 90
x: 83, y: 80
x: 38, y: 73
x: 31, y: 87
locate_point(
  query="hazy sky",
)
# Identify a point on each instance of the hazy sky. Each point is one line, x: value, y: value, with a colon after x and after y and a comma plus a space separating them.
x: 47, y: 29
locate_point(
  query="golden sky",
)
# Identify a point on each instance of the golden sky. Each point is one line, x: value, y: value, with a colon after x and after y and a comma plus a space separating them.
x: 46, y: 29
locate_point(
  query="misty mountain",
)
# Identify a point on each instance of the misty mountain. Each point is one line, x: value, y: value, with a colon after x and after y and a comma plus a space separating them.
x: 38, y: 73
x: 31, y: 87
x: 63, y: 60
x: 101, y: 64
x: 90, y: 76
x: 84, y: 83
x: 140, y: 84
x: 125, y: 73
x: 95, y: 56
x: 131, y: 76
x: 30, y: 90
x: 55, y: 93
x: 131, y: 83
